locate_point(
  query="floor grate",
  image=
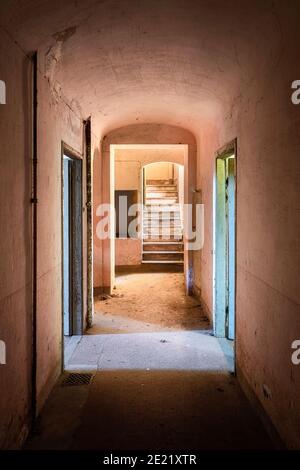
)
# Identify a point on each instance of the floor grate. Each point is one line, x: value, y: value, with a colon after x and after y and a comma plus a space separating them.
x: 74, y: 379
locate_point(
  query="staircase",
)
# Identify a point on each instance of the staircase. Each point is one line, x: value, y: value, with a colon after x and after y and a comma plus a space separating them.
x: 162, y: 226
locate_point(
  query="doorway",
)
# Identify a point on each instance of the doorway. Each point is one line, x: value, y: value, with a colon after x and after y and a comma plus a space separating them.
x: 72, y: 244
x: 225, y: 243
x: 162, y: 225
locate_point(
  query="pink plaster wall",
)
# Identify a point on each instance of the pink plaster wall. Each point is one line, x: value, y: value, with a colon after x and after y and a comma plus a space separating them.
x: 209, y: 143
x: 128, y: 251
x: 56, y: 123
x: 267, y: 127
x: 15, y: 246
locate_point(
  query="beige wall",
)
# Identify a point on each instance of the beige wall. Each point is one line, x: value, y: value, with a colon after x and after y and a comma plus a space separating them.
x: 166, y: 155
x: 160, y: 171
x: 128, y: 175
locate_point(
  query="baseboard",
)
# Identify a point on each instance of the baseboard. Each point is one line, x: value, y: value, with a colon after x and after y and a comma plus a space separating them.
x: 98, y: 291
x: 24, y: 433
x: 48, y: 387
x: 16, y: 440
x: 197, y: 292
x: 102, y: 290
x: 260, y: 411
x: 148, y: 268
x: 205, y: 308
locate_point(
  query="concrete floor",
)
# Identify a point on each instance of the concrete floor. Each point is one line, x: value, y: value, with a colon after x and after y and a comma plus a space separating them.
x: 157, y: 383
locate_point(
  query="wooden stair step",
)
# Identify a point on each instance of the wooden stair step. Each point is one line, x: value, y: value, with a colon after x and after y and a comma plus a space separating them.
x: 163, y: 256
x: 161, y: 239
x: 162, y: 262
x: 158, y: 230
x: 161, y: 201
x: 164, y: 187
x: 167, y: 247
x: 171, y: 217
x: 159, y: 182
x: 164, y: 207
x: 161, y: 223
x: 162, y: 214
x: 161, y: 194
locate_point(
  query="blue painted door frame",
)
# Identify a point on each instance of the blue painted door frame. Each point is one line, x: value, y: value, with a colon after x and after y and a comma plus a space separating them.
x: 225, y: 243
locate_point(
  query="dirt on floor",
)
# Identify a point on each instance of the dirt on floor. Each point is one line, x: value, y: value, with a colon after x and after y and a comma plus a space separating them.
x: 147, y: 301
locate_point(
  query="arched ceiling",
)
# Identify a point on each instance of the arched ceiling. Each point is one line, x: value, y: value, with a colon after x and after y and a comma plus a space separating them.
x: 128, y: 61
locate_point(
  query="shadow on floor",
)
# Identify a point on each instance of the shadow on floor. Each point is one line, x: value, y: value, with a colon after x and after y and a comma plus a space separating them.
x: 150, y: 410
x: 160, y: 380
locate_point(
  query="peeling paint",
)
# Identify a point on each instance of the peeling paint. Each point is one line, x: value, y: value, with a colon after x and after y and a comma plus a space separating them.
x: 53, y: 58
x: 63, y: 36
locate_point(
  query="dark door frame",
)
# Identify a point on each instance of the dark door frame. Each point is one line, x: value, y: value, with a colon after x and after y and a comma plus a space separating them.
x: 76, y: 264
